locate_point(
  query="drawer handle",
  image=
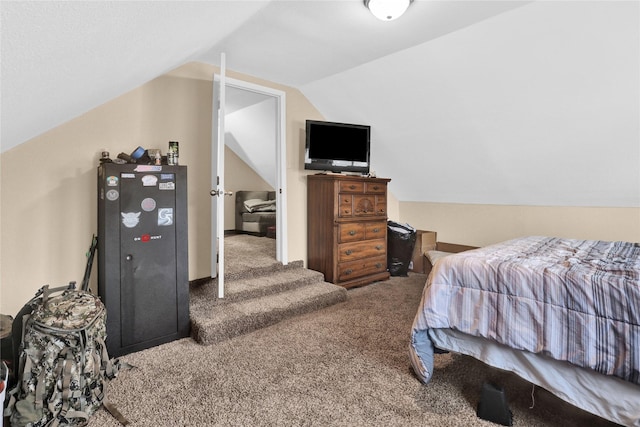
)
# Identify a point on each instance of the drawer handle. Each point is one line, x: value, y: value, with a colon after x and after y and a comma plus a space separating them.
x: 375, y: 187
x: 378, y: 247
x: 352, y: 233
x: 378, y: 265
x: 376, y: 230
x: 348, y: 272
x: 352, y: 187
x: 348, y: 252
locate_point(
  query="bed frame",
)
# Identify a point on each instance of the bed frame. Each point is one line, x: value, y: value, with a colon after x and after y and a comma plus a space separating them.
x: 605, y: 396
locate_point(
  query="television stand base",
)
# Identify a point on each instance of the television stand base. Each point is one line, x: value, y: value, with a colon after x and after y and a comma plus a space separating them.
x: 344, y: 174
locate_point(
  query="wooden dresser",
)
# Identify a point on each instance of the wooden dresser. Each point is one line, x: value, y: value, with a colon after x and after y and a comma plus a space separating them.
x: 347, y: 228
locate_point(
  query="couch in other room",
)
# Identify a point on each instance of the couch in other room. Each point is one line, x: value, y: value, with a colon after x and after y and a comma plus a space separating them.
x: 255, y: 211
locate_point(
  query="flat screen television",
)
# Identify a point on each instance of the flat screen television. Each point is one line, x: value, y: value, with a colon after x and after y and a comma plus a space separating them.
x: 337, y: 147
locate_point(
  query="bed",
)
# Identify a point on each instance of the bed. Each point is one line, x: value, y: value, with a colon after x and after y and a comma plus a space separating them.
x: 563, y: 314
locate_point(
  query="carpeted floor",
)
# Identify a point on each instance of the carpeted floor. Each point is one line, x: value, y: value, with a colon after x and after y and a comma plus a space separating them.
x: 246, y: 253
x: 259, y: 292
x: 345, y: 365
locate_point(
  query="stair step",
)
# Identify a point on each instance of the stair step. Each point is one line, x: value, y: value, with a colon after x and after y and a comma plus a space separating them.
x: 241, y: 271
x: 254, y: 287
x: 279, y: 281
x: 212, y: 324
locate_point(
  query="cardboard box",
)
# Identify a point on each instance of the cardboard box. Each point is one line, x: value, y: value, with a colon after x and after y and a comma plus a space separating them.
x: 425, y: 241
x: 453, y: 248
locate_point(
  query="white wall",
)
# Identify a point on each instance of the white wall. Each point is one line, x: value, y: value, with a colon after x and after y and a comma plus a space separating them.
x: 537, y: 106
x: 251, y: 134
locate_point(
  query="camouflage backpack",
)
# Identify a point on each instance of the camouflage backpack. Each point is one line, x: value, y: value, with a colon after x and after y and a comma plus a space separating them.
x: 63, y: 360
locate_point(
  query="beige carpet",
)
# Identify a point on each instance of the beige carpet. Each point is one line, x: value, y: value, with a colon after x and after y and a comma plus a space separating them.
x: 345, y: 365
x: 259, y: 292
x: 246, y: 253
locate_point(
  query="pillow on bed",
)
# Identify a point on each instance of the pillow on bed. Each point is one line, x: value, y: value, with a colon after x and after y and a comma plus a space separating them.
x: 258, y: 205
x: 436, y: 255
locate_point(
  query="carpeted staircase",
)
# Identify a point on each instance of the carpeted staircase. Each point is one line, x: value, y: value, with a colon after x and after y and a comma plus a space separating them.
x: 258, y: 293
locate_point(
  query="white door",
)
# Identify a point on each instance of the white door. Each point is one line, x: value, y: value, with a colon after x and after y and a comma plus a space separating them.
x: 217, y: 177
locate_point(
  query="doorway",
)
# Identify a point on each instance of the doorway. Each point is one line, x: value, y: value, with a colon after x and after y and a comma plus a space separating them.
x: 254, y: 130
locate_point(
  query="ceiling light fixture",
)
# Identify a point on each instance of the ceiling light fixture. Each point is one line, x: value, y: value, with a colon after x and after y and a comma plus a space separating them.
x: 387, y: 10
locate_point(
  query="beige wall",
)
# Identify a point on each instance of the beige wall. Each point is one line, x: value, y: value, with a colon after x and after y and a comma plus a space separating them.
x: 48, y: 184
x: 481, y: 225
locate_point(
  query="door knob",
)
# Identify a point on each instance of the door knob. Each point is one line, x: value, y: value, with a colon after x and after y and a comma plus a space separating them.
x: 221, y: 193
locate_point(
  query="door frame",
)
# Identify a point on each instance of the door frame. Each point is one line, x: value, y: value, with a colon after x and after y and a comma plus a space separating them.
x: 282, y: 253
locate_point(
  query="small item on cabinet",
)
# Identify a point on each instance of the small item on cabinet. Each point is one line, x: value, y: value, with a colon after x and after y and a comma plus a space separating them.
x: 137, y: 154
x: 174, y: 147
x: 155, y: 156
x: 105, y: 157
x: 127, y: 158
x: 173, y: 153
x: 141, y: 156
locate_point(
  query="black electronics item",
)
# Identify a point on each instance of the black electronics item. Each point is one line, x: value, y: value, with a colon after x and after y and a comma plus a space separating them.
x: 143, y: 275
x: 337, y: 147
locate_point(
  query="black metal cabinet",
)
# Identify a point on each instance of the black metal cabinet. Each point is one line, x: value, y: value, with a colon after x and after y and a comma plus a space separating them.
x: 143, y: 276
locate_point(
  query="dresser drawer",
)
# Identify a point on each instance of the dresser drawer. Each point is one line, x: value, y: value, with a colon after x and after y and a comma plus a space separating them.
x: 364, y: 267
x: 375, y: 230
x: 351, y: 232
x: 345, y: 205
x: 351, y: 186
x: 375, y: 188
x: 363, y: 249
x: 381, y: 205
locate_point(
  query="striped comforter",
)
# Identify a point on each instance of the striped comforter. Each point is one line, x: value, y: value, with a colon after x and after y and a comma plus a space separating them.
x: 572, y: 300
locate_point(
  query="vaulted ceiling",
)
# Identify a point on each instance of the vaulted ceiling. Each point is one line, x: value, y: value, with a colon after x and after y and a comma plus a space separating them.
x: 507, y: 102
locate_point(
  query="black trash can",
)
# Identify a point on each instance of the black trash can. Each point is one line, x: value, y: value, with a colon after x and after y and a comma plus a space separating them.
x: 401, y: 238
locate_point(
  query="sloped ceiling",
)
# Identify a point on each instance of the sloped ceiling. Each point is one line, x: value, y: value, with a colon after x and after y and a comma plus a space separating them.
x: 537, y: 106
x: 502, y: 102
